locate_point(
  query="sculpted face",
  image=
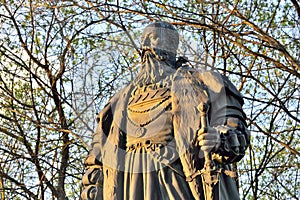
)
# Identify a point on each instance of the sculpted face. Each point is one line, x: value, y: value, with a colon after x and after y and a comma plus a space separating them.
x: 160, y: 36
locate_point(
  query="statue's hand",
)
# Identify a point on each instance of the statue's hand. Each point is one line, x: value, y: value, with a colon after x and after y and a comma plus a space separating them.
x: 208, y: 139
x: 92, y: 180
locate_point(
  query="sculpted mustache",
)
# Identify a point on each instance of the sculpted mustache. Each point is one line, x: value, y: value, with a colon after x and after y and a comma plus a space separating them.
x: 158, y: 53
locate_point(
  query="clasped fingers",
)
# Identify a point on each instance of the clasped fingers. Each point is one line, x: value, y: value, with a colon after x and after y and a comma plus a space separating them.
x: 208, y: 140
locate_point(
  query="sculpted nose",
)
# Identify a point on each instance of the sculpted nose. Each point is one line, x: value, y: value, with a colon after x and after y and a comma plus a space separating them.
x: 146, y: 42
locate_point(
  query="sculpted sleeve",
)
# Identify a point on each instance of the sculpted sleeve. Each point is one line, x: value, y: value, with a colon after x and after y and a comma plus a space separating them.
x: 92, y: 180
x: 228, y: 118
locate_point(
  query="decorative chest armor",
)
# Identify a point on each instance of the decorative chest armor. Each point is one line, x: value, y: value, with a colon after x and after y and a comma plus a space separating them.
x: 149, y: 115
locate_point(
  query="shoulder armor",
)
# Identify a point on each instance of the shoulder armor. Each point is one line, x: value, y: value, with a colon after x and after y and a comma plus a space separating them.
x: 213, y: 80
x: 216, y: 82
x: 231, y: 89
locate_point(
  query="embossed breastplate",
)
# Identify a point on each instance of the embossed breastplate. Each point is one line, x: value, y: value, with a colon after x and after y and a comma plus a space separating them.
x: 146, y: 105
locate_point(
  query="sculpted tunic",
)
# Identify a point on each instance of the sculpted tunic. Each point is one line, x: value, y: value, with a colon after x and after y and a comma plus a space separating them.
x: 153, y: 169
x: 144, y: 146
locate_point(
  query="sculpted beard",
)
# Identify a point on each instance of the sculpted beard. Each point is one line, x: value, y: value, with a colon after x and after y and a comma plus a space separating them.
x: 156, y: 66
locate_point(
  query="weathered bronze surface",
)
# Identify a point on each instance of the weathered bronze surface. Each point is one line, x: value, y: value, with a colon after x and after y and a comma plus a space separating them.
x: 171, y: 134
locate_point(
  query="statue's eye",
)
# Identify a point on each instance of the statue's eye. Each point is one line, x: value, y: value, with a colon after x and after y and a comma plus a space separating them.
x: 153, y: 36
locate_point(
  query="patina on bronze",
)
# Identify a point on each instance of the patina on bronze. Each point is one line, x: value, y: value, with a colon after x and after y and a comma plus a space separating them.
x: 173, y: 133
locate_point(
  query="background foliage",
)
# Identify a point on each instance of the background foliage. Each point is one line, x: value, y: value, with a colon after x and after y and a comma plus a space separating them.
x: 60, y: 61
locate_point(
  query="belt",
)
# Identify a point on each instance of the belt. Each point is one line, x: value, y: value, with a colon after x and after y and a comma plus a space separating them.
x: 148, y: 143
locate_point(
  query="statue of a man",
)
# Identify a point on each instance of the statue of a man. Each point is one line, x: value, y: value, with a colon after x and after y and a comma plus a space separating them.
x: 173, y: 133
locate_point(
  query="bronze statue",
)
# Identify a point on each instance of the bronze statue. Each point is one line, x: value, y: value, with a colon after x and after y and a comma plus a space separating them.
x: 171, y: 134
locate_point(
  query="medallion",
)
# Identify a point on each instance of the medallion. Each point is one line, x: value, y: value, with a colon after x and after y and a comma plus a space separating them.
x: 140, y: 131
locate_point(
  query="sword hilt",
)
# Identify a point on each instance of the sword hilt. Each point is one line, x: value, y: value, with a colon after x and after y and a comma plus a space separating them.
x: 204, y: 124
x: 209, y: 170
